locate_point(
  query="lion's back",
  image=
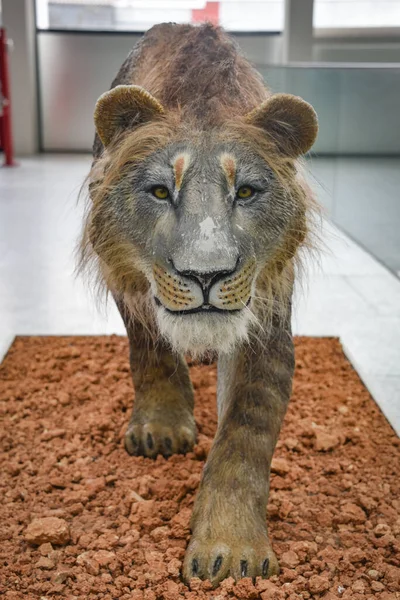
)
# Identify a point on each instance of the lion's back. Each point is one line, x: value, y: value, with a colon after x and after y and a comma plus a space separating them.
x: 193, y: 67
x: 196, y: 69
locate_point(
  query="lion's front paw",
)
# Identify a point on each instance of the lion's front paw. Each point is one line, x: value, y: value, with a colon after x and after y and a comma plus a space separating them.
x: 217, y: 558
x: 160, y: 436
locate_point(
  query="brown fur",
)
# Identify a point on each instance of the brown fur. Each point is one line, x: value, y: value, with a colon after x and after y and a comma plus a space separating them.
x: 201, y: 81
x: 135, y: 147
x: 202, y: 73
x: 204, y: 85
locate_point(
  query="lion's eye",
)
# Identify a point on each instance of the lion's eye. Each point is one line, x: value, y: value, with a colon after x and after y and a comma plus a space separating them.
x: 246, y: 191
x: 160, y: 192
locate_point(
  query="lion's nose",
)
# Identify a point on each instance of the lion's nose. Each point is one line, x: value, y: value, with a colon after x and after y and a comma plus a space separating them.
x: 207, y: 278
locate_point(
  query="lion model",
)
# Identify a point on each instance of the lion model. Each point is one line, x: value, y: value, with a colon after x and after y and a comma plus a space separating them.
x: 197, y: 211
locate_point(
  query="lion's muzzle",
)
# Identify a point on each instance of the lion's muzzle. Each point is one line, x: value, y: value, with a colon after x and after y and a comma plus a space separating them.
x: 192, y: 291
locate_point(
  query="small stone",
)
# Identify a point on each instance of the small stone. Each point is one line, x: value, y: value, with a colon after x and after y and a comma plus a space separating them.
x: 383, y: 541
x: 285, y: 509
x: 160, y: 533
x: 76, y: 477
x: 245, y: 589
x: 91, y: 565
x: 60, y: 575
x: 329, y: 596
x: 392, y: 575
x: 121, y: 581
x: 280, y: 466
x: 14, y: 470
x: 377, y: 586
x: 351, y: 513
x: 130, y: 539
x: 106, y: 541
x: 47, y: 529
x: 291, y: 443
x: 76, y: 496
x: 57, y: 482
x: 174, y: 567
x: 69, y: 352
x: 94, y: 486
x: 45, y: 549
x: 325, y: 441
x: 373, y: 574
x: 382, y: 529
x: 288, y: 575
x: 358, y: 586
x: 173, y: 589
x: 52, y: 433
x: 63, y: 398
x: 133, y: 496
x: 355, y: 555
x: 318, y: 584
x: 194, y: 584
x: 366, y: 502
x: 76, y: 508
x: 272, y: 592
x: 324, y: 517
x: 343, y: 410
x: 45, y: 563
x: 227, y: 585
x: 289, y: 559
x: 104, y: 557
x: 329, y: 554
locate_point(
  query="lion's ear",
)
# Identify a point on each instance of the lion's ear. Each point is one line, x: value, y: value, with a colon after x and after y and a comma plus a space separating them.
x: 291, y: 121
x: 124, y: 107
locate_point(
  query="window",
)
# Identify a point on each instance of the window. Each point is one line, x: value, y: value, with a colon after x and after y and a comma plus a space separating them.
x: 140, y: 15
x: 354, y: 14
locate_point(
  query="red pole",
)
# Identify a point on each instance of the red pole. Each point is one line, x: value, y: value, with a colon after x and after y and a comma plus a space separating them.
x: 5, y: 119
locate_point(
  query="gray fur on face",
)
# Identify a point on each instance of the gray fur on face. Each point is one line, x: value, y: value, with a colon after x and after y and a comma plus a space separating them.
x: 202, y: 227
x: 202, y: 248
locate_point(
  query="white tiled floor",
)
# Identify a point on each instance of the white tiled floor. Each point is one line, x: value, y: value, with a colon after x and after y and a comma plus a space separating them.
x: 349, y: 294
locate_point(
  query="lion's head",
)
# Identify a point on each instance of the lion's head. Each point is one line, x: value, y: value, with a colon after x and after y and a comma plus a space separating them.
x: 203, y: 221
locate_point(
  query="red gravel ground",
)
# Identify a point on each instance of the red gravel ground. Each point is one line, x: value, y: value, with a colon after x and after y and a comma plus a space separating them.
x: 80, y: 519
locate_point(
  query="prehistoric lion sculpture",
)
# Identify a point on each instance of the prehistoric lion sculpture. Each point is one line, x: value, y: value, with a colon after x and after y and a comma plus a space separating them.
x: 197, y: 211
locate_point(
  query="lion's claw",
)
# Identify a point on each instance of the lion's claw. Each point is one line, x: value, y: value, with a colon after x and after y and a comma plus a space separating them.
x: 216, y: 561
x: 156, y: 437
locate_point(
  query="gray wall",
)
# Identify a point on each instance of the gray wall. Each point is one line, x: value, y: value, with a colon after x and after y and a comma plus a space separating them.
x: 357, y: 48
x: 75, y: 68
x: 357, y: 107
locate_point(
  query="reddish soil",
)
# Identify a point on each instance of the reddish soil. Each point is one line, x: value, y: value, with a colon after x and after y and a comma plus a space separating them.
x: 81, y: 519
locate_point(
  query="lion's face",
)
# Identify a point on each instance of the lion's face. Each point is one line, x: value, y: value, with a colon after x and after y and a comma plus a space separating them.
x: 204, y: 219
x: 203, y: 213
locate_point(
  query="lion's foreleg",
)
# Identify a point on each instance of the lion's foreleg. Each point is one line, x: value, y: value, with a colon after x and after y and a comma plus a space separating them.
x: 162, y: 420
x: 229, y: 519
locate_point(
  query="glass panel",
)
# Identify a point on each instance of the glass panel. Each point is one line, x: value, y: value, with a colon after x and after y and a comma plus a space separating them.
x: 357, y: 107
x: 355, y: 162
x: 356, y: 13
x: 140, y: 15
